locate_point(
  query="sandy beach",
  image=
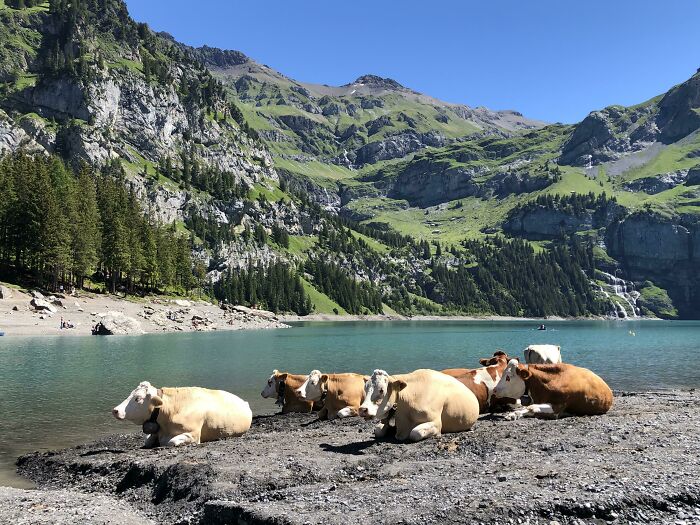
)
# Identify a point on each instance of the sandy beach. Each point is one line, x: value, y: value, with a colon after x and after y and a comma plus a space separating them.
x: 154, y: 315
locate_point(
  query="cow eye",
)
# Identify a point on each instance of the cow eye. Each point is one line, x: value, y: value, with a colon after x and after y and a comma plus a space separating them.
x: 507, y: 378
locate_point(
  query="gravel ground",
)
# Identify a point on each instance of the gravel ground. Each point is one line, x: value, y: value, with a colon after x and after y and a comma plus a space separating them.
x: 638, y: 464
x: 59, y: 507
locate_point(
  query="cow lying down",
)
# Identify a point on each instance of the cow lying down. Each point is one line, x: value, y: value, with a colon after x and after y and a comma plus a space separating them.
x: 341, y: 394
x: 556, y: 390
x: 483, y: 380
x: 283, y: 386
x: 181, y: 416
x: 422, y: 404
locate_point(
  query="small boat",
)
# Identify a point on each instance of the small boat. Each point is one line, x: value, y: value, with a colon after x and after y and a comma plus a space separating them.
x: 542, y: 327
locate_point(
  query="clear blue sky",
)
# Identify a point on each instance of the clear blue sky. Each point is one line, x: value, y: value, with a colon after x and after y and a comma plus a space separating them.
x: 550, y: 59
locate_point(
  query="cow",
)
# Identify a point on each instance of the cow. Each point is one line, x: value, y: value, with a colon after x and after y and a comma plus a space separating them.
x: 341, y: 394
x: 283, y: 386
x: 422, y: 404
x: 542, y: 354
x: 180, y: 416
x: 482, y: 381
x: 556, y: 390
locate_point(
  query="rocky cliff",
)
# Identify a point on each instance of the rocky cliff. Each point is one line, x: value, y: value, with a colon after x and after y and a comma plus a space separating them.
x: 665, y: 250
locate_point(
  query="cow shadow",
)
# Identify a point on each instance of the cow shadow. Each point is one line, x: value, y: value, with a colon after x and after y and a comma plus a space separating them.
x: 352, y: 449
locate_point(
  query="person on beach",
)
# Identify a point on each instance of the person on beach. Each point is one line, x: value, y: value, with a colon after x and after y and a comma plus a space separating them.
x: 63, y: 325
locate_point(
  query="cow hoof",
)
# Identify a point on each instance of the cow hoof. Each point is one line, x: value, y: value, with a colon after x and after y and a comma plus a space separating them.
x: 511, y: 416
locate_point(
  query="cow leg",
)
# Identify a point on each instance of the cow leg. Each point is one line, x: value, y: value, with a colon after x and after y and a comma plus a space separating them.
x: 381, y: 430
x: 541, y: 409
x: 323, y: 414
x: 182, y: 439
x: 424, y: 430
x: 151, y: 441
x: 347, y: 412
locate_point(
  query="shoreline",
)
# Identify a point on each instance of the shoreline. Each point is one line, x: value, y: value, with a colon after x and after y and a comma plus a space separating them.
x: 19, y: 317
x: 158, y: 315
x: 630, y: 465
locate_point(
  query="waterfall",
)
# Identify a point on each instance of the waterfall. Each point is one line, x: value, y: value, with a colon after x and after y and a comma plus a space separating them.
x: 625, y: 291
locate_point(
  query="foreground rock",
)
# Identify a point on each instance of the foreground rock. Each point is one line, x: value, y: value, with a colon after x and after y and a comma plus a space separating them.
x: 637, y: 464
x: 116, y: 323
x: 63, y: 507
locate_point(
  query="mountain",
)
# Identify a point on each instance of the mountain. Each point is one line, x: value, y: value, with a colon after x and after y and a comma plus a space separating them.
x: 360, y: 198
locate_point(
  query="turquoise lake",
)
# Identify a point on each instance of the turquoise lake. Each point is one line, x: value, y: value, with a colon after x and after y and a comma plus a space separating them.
x: 57, y: 392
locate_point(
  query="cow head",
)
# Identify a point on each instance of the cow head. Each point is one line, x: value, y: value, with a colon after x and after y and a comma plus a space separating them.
x: 138, y: 406
x: 499, y: 357
x: 273, y: 383
x: 512, y: 384
x: 381, y: 393
x: 313, y: 388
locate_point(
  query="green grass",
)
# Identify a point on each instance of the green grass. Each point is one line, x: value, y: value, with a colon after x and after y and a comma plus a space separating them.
x: 656, y: 300
x: 322, y: 303
x: 299, y: 245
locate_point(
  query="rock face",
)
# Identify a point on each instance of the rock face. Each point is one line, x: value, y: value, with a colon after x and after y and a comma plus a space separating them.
x: 664, y: 250
x: 116, y: 323
x: 629, y: 466
x: 544, y: 223
x: 397, y: 146
x: 654, y: 185
x: 607, y: 134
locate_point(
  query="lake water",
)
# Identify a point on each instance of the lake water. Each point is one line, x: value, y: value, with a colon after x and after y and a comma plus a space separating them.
x: 57, y: 392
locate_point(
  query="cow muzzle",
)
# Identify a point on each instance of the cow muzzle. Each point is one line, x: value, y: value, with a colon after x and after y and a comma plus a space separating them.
x: 118, y: 414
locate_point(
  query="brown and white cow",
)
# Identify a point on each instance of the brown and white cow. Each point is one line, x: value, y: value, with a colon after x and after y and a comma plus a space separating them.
x: 483, y: 380
x: 181, y: 416
x: 341, y: 394
x: 422, y: 404
x: 283, y: 386
x: 556, y: 390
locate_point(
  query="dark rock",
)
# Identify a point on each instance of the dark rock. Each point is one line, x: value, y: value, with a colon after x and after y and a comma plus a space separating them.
x: 654, y: 185
x: 693, y: 177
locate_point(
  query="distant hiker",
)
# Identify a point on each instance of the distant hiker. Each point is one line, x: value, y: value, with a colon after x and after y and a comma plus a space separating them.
x: 63, y: 325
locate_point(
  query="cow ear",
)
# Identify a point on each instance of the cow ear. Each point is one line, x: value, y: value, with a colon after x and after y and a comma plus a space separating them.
x: 523, y: 372
x: 156, y: 401
x: 324, y: 378
x: 483, y: 362
x: 282, y: 377
x: 399, y: 385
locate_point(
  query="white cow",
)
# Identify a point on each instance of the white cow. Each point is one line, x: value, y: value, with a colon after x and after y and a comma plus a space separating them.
x: 181, y: 416
x: 543, y: 354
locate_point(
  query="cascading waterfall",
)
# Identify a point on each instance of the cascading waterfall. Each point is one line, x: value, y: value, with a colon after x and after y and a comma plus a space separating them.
x: 625, y: 291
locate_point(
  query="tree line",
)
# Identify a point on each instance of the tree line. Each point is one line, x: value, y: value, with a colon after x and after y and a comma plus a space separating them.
x: 276, y: 287
x: 61, y: 226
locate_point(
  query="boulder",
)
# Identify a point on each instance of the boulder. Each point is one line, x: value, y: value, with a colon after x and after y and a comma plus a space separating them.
x: 116, y: 323
x: 42, y: 305
x: 5, y: 293
x: 257, y: 313
x: 182, y: 303
x: 37, y: 295
x: 693, y: 177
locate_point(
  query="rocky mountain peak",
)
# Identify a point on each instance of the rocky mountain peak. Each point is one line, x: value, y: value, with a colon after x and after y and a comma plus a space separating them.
x: 378, y: 82
x: 219, y: 58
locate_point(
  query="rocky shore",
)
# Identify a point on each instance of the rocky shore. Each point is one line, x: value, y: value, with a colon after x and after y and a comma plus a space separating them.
x: 638, y: 464
x: 31, y: 313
